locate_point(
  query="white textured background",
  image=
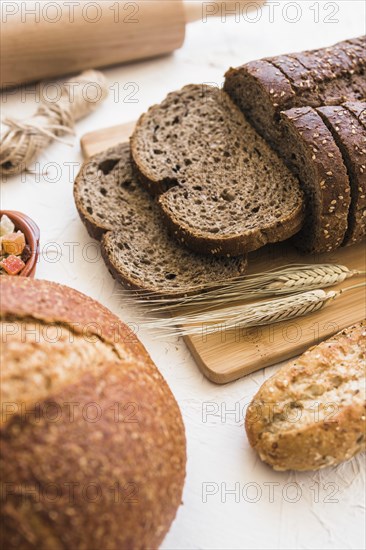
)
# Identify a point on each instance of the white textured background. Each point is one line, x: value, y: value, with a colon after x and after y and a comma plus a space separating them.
x: 268, y: 510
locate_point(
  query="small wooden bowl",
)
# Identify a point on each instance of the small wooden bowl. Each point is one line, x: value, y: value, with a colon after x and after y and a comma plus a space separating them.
x: 31, y: 233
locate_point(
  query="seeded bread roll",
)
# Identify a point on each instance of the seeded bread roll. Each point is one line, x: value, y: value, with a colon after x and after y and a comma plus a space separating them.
x: 318, y: 162
x: 92, y: 441
x: 222, y: 189
x: 135, y: 244
x: 311, y: 413
x: 350, y: 136
x: 327, y: 76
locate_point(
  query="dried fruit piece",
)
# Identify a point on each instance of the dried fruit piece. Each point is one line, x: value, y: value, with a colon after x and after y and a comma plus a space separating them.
x: 12, y: 265
x: 26, y: 254
x: 6, y: 226
x: 13, y: 243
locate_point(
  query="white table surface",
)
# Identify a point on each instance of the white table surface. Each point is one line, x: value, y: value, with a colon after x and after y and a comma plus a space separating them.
x: 269, y: 510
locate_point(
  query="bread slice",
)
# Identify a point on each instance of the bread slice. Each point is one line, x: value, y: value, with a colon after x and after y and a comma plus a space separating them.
x: 316, y: 159
x: 327, y: 76
x: 222, y: 189
x: 261, y: 91
x: 135, y: 244
x: 311, y: 413
x: 350, y: 136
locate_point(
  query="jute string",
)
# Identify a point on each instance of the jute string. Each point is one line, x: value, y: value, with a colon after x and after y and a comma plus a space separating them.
x: 25, y: 140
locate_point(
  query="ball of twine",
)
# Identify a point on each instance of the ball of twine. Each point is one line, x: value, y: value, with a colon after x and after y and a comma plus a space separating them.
x: 25, y: 140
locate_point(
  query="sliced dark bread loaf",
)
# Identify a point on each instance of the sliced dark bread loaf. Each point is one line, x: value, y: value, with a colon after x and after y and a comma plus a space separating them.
x: 135, y: 244
x: 317, y: 160
x: 350, y: 136
x: 222, y: 189
x: 327, y: 76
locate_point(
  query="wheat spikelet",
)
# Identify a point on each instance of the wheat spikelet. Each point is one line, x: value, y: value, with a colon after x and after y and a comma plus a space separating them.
x: 241, y: 316
x: 296, y: 278
x: 316, y: 277
x: 257, y: 313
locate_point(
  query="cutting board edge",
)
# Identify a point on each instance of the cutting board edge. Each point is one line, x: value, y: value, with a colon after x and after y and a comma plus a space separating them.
x: 107, y: 137
x: 226, y: 378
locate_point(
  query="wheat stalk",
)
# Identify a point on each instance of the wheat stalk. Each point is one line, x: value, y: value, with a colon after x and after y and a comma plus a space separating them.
x: 254, y: 314
x: 296, y: 278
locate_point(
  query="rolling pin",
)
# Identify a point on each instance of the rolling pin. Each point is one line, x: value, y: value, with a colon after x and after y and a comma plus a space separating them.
x: 49, y: 39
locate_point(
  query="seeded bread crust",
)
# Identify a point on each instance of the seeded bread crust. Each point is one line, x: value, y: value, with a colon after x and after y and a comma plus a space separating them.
x: 327, y: 76
x: 312, y: 413
x: 135, y: 245
x: 222, y: 188
x: 350, y: 136
x: 116, y: 462
x: 358, y: 109
x: 318, y: 162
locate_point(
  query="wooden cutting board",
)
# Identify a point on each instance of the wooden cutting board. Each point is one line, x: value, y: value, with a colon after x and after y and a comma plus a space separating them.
x: 227, y: 355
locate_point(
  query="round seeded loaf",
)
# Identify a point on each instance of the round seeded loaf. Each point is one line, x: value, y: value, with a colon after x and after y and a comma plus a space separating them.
x: 312, y: 412
x: 92, y: 440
